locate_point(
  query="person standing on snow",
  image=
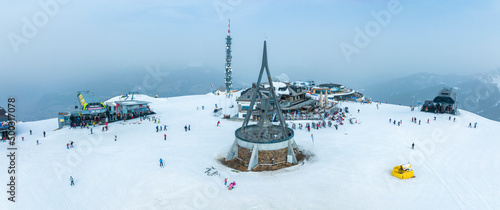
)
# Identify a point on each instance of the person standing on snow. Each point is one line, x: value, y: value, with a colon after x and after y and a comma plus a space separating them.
x: 30, y: 133
x: 189, y: 127
x: 115, y: 137
x: 164, y: 136
x: 225, y: 181
x: 71, y: 180
x: 185, y: 128
x: 161, y: 163
x: 218, y: 123
x: 412, y: 145
x: 44, y: 134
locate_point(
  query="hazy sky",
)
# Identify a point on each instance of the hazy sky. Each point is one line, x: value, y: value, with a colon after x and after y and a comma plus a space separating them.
x: 344, y: 41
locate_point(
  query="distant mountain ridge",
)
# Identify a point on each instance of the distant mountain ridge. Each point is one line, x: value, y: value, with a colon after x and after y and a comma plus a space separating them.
x: 479, y: 94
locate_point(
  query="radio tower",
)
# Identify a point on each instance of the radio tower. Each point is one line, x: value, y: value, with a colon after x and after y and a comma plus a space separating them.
x: 228, y: 79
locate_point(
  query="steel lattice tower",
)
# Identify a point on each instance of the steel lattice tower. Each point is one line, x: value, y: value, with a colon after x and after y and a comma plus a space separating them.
x: 229, y: 70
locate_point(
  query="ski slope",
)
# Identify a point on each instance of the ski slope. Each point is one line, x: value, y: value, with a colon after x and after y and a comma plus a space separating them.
x: 456, y: 167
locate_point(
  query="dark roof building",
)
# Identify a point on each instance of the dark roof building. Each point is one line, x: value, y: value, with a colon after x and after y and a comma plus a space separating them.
x: 446, y: 95
x: 3, y: 115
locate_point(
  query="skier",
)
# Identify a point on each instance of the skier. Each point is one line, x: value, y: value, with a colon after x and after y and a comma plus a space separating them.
x: 449, y: 118
x: 91, y: 131
x: 218, y: 123
x: 30, y: 132
x: 115, y: 137
x: 470, y: 125
x: 36, y: 142
x: 412, y: 145
x: 22, y: 138
x: 161, y: 163
x: 157, y: 129
x: 475, y: 124
x: 390, y: 120
x: 225, y: 181
x: 67, y: 146
x: 418, y: 122
x: 312, y: 138
x: 72, y: 144
x: 453, y: 119
x: 189, y: 127
x: 185, y: 128
x: 427, y: 121
x: 164, y: 136
x: 71, y: 179
x: 231, y: 186
x: 44, y: 134
x: 434, y: 118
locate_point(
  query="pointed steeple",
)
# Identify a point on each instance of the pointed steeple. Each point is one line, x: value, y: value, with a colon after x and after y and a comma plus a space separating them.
x: 270, y: 107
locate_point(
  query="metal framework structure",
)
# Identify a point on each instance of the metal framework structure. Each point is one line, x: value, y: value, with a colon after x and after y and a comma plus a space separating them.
x: 261, y: 143
x: 229, y: 70
x: 269, y: 105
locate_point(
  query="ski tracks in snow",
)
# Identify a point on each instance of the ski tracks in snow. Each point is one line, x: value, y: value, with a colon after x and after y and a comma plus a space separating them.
x: 465, y: 195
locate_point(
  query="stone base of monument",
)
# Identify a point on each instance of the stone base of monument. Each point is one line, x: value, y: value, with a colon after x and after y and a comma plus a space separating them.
x: 256, y: 146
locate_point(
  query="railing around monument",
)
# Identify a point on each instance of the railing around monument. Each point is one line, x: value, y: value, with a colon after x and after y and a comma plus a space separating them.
x: 253, y: 128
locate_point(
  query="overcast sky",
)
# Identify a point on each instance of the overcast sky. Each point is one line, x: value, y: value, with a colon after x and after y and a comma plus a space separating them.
x: 343, y: 41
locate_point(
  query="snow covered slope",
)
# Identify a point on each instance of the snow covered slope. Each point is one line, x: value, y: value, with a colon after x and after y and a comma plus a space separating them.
x: 350, y: 168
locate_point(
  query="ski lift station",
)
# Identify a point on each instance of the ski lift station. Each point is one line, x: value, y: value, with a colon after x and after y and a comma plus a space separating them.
x: 93, y: 111
x: 4, y: 125
x: 444, y: 102
x: 127, y: 109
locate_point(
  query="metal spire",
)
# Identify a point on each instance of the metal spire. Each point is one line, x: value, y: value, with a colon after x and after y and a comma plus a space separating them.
x: 264, y: 103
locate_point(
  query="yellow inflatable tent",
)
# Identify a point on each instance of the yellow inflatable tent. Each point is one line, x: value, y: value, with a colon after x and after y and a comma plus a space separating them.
x: 403, y: 171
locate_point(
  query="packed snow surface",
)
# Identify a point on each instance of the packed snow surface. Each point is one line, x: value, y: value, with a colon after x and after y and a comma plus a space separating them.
x: 350, y: 168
